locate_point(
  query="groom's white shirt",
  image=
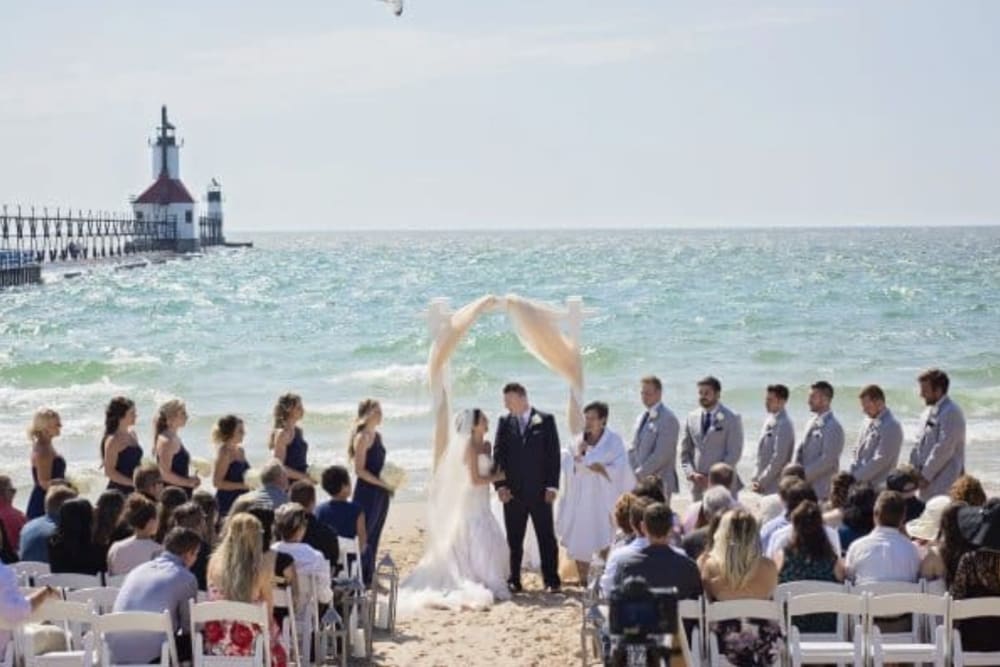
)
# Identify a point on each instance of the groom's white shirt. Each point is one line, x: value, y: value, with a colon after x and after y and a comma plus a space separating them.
x: 523, y: 420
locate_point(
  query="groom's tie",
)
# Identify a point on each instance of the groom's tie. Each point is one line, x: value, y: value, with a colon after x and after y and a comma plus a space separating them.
x: 645, y: 420
x: 706, y: 420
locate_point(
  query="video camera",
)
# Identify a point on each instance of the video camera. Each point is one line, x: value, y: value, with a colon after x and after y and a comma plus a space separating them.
x: 640, y: 619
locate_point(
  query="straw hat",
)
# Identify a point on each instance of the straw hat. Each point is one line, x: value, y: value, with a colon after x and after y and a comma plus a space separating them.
x: 927, y: 525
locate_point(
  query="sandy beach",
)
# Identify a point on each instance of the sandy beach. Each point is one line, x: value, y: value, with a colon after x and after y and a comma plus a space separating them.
x: 532, y: 629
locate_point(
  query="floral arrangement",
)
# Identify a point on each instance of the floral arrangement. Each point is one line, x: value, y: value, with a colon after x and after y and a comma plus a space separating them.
x: 252, y: 478
x: 315, y: 472
x: 202, y: 467
x: 393, y: 475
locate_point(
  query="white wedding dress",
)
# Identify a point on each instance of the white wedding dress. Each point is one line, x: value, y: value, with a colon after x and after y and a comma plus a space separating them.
x: 466, y: 562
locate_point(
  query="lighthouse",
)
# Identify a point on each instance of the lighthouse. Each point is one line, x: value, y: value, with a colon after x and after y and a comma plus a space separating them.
x: 167, y: 205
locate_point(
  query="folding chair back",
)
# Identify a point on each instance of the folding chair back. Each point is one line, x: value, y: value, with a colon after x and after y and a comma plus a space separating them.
x: 138, y: 621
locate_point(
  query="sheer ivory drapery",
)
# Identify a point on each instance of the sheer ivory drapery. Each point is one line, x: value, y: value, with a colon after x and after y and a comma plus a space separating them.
x: 537, y: 327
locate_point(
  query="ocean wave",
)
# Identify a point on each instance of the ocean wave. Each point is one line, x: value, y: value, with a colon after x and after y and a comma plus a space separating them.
x: 72, y: 395
x: 47, y: 373
x: 345, y: 411
x: 393, y: 375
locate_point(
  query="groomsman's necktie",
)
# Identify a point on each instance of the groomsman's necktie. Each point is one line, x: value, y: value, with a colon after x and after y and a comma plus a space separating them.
x: 645, y: 420
x: 706, y: 420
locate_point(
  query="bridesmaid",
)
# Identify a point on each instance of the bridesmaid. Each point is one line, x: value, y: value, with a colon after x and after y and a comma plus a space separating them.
x: 230, y: 462
x: 371, y: 493
x: 286, y: 441
x: 171, y: 455
x: 120, y: 450
x: 46, y: 463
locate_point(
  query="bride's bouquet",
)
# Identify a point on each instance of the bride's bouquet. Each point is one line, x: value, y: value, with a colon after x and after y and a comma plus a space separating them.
x: 315, y: 472
x: 202, y: 467
x: 393, y: 475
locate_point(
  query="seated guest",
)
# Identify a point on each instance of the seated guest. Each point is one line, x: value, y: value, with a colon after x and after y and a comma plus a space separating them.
x: 809, y: 556
x: 290, y: 522
x: 125, y: 555
x: 650, y: 486
x: 238, y: 571
x: 924, y: 530
x: 720, y: 474
x: 735, y: 569
x: 792, y: 491
x: 954, y: 545
x: 717, y: 499
x: 109, y: 525
x: 790, y: 470
x: 783, y: 536
x: 13, y: 519
x: 886, y: 554
x: 658, y: 563
x: 260, y: 508
x: 210, y: 510
x: 636, y: 511
x: 341, y: 514
x: 318, y: 534
x: 978, y: 573
x: 274, y: 485
x: 164, y: 583
x: 171, y: 498
x: 969, y: 490
x: 71, y: 547
x: 36, y: 533
x: 859, y: 515
x: 190, y: 516
x: 624, y: 534
x: 905, y: 480
x: 15, y: 607
x: 148, y: 481
x: 833, y: 509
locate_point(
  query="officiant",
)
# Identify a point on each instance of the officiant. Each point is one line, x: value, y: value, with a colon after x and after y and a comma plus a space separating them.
x: 597, y: 472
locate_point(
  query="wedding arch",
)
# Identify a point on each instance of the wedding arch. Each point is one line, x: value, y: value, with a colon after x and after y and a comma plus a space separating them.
x: 551, y: 335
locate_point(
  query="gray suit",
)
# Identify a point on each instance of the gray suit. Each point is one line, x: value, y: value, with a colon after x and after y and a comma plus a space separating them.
x: 939, y: 454
x: 722, y: 443
x: 774, y: 451
x: 654, y: 446
x: 877, y: 453
x: 819, y: 452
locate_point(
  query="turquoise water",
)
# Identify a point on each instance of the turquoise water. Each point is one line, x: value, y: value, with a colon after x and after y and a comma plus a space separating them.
x: 337, y: 317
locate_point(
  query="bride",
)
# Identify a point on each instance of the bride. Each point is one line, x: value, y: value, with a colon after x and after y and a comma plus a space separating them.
x: 466, y: 559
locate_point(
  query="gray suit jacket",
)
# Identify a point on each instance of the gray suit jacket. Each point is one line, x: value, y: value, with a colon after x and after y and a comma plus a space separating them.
x: 722, y: 443
x: 774, y: 451
x: 939, y: 454
x: 654, y: 447
x: 819, y: 452
x: 877, y: 453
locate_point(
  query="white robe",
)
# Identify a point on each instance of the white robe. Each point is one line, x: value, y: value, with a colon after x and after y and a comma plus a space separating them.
x: 584, y: 522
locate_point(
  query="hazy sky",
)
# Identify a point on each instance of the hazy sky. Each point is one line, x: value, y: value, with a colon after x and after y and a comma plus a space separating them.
x: 512, y: 113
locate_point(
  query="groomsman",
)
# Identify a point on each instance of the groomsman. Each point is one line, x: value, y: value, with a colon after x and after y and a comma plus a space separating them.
x: 712, y: 435
x: 939, y: 454
x: 654, y: 444
x: 777, y: 440
x: 819, y: 451
x: 879, y: 442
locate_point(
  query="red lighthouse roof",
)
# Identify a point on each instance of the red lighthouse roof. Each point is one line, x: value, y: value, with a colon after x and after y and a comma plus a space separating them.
x: 165, y: 190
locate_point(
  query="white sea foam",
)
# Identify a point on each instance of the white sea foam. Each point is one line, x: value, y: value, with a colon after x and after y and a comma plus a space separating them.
x: 393, y: 375
x: 123, y: 357
x: 348, y: 410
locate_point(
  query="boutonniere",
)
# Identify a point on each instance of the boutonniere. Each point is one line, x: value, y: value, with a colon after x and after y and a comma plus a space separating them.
x: 653, y: 414
x: 931, y: 423
x: 651, y: 427
x: 535, y: 420
x: 819, y: 423
x: 719, y: 418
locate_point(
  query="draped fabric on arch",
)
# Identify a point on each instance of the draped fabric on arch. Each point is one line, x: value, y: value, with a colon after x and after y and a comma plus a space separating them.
x: 537, y: 327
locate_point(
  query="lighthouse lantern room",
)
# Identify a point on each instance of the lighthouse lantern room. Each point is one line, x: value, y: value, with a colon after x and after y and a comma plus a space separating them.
x: 167, y: 200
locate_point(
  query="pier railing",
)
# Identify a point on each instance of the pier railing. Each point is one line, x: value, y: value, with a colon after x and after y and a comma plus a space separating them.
x: 64, y: 236
x: 210, y: 231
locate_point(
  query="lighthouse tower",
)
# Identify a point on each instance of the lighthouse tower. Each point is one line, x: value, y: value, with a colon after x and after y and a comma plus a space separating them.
x: 213, y: 219
x: 167, y: 204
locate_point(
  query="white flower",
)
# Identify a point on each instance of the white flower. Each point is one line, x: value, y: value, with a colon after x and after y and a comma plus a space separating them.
x: 653, y: 414
x: 719, y: 418
x: 536, y: 420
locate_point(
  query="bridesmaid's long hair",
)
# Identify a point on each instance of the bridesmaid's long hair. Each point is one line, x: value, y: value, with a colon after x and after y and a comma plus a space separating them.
x: 365, y: 410
x: 167, y: 411
x: 225, y: 429
x: 283, y: 409
x: 40, y: 423
x: 113, y: 415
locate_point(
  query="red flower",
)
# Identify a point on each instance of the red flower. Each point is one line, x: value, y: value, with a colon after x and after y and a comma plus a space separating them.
x: 213, y: 632
x: 242, y: 636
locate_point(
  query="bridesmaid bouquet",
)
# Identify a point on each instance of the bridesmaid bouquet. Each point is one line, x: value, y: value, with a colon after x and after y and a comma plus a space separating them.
x: 315, y: 472
x: 202, y: 467
x: 81, y: 484
x: 393, y: 475
x: 252, y: 478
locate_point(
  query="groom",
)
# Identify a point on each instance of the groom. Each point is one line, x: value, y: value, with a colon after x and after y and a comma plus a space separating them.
x: 526, y: 448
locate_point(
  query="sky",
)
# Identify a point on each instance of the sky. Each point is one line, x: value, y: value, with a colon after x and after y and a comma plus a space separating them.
x: 515, y: 114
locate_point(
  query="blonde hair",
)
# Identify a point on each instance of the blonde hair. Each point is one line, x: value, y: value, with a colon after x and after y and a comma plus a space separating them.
x: 365, y: 409
x: 225, y: 429
x: 40, y: 423
x: 239, y: 558
x: 283, y: 409
x: 736, y: 547
x: 167, y: 411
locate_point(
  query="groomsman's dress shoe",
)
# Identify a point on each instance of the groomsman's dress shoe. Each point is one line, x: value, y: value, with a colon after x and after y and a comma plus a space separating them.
x: 514, y: 586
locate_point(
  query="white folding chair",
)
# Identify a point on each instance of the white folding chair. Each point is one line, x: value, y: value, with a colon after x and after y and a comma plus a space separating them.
x: 810, y: 648
x: 283, y: 598
x: 963, y: 610
x: 907, y: 647
x: 693, y: 611
x: 715, y: 612
x: 71, y: 623
x: 125, y: 622
x: 806, y: 587
x: 27, y: 570
x: 69, y: 580
x: 103, y: 598
x: 349, y: 559
x: 357, y: 606
x: 203, y: 612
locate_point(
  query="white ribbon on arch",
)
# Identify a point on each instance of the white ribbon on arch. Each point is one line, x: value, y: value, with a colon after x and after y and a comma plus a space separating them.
x: 537, y: 327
